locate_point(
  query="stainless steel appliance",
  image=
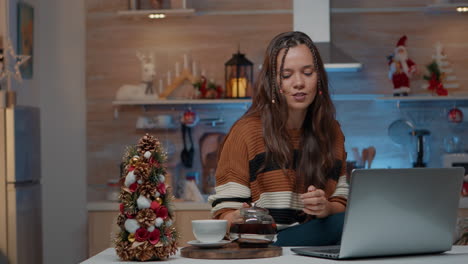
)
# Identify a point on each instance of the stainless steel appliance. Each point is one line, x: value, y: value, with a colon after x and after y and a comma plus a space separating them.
x: 20, y: 186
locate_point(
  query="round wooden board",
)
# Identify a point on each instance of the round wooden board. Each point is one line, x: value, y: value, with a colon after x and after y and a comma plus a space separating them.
x: 231, y: 251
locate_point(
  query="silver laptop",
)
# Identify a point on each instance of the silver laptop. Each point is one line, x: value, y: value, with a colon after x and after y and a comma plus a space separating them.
x: 397, y: 212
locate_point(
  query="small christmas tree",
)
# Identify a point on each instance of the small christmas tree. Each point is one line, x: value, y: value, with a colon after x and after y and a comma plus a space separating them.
x: 146, y: 214
x: 440, y: 78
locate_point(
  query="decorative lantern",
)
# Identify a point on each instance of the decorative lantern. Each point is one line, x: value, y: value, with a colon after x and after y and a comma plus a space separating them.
x: 239, y: 76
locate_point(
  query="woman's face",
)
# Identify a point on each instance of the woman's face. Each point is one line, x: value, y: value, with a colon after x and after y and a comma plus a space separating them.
x: 299, y: 75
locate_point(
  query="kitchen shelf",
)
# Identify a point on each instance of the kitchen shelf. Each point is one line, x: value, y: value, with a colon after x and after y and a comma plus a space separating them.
x: 146, y: 12
x: 183, y: 102
x: 339, y: 97
x: 423, y: 98
x: 246, y: 102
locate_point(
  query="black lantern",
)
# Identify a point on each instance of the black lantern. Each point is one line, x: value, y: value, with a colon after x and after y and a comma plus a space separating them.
x: 239, y: 76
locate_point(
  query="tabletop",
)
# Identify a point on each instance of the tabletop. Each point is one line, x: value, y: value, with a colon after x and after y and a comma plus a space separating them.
x: 458, y: 255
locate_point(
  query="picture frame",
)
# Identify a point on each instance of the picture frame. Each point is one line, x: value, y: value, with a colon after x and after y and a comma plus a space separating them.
x: 26, y: 37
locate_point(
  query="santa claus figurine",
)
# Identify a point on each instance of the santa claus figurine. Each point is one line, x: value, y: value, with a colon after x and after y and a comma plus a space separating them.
x: 401, y: 69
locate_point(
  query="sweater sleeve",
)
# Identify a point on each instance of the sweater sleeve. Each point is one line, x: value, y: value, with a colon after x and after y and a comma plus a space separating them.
x: 342, y: 188
x: 232, y: 173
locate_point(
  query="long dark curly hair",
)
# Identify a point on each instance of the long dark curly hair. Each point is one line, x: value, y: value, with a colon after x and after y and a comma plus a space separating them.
x: 316, y: 157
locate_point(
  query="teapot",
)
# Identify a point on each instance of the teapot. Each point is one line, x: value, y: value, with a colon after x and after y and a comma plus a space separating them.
x: 256, y: 226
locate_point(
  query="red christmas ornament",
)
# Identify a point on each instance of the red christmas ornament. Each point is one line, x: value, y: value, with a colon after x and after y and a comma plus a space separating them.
x: 142, y: 234
x: 162, y: 212
x: 154, y: 236
x: 154, y: 205
x: 190, y: 118
x: 455, y: 115
x: 133, y: 187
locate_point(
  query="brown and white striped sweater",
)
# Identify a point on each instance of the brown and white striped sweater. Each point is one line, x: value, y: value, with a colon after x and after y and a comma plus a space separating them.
x: 237, y: 180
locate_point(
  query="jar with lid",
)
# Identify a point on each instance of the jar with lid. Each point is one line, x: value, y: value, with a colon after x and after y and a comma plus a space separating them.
x: 255, y: 226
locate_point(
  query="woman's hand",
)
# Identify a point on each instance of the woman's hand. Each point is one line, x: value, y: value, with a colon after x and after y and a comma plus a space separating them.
x: 235, y: 216
x: 315, y: 202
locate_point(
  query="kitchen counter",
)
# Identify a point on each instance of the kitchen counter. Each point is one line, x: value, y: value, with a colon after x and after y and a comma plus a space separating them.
x: 178, y: 206
x: 192, y: 206
x: 458, y: 255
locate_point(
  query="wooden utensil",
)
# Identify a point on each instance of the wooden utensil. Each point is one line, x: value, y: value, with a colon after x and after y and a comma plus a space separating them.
x: 371, y: 156
x: 356, y: 156
x: 365, y: 155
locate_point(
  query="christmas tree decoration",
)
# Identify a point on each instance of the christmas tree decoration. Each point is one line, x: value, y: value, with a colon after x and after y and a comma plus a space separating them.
x: 401, y: 69
x: 146, y: 213
x: 440, y: 78
x: 455, y: 115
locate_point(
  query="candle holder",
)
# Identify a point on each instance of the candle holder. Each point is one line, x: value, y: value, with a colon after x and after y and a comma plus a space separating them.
x: 238, y: 76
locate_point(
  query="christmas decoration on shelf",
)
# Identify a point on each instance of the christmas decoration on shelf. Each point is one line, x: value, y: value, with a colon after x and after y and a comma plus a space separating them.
x: 401, y: 68
x: 238, y: 73
x: 10, y: 63
x: 181, y: 84
x: 146, y: 214
x: 455, y: 115
x: 208, y: 89
x: 143, y: 91
x: 435, y: 80
x: 440, y: 78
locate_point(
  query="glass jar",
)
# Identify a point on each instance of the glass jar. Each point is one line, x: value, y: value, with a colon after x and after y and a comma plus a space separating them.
x: 255, y: 226
x: 113, y: 190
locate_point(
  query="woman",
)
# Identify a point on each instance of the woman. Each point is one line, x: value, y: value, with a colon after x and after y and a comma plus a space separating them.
x: 286, y: 153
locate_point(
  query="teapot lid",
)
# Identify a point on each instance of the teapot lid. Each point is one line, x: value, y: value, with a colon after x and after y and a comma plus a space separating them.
x: 254, y: 209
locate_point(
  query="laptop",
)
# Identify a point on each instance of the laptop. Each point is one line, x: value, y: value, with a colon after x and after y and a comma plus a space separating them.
x: 397, y: 212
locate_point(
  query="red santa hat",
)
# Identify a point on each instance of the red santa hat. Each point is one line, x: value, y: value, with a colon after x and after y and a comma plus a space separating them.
x: 402, y: 41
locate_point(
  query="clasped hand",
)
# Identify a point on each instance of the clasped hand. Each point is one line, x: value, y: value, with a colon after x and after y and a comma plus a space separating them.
x: 315, y: 202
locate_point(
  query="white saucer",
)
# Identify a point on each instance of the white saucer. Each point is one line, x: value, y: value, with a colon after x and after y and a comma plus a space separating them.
x: 208, y: 244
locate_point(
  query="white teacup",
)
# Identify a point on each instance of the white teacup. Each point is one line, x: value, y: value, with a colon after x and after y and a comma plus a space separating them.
x: 209, y: 231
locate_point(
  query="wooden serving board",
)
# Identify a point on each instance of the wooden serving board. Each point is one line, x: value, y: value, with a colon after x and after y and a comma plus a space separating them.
x: 231, y: 251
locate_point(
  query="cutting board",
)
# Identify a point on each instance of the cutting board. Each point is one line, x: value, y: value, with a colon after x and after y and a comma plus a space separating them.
x: 231, y: 251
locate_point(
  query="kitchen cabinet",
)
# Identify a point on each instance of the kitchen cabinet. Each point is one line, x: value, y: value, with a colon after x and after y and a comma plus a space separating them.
x: 102, y: 226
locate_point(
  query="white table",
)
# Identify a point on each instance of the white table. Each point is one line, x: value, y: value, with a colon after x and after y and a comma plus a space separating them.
x: 458, y: 255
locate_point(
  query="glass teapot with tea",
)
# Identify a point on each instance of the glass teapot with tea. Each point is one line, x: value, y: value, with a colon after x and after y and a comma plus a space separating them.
x: 255, y: 226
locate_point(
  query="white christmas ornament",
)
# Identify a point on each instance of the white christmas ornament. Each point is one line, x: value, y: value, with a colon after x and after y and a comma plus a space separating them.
x: 151, y: 229
x: 143, y: 202
x: 140, y: 181
x: 169, y: 222
x: 162, y: 178
x: 157, y: 194
x: 131, y: 225
x: 159, y: 222
x: 130, y: 179
x: 147, y: 155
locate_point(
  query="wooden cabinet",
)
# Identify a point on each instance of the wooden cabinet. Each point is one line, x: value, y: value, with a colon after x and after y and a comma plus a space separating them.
x: 102, y: 227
